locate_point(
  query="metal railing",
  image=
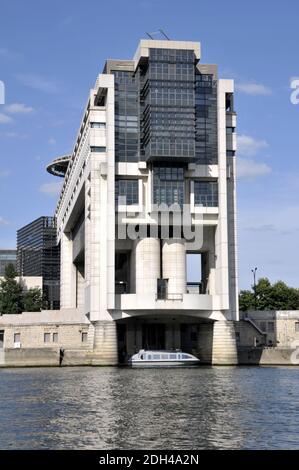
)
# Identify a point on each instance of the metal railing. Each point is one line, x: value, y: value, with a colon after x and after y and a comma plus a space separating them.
x: 169, y: 296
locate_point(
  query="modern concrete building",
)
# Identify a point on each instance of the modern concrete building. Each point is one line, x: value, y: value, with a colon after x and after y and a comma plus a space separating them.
x: 38, y: 255
x: 149, y: 186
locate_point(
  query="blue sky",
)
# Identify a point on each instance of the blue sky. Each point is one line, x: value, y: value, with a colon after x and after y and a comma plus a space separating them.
x: 51, y: 53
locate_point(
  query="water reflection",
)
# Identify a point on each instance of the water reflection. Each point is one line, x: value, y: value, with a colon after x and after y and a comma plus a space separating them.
x: 108, y: 408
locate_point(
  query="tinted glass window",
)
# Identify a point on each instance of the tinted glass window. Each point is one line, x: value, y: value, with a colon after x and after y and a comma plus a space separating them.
x: 127, y: 189
x: 206, y: 193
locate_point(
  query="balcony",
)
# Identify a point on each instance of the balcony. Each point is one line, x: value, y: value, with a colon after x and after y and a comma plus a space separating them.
x: 150, y: 303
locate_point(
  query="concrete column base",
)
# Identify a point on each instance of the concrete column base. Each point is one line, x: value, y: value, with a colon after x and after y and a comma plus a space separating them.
x: 105, y: 344
x: 224, y: 351
x: 205, y: 343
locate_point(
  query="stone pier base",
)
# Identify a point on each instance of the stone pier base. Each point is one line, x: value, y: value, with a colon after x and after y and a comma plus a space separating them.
x: 217, y: 343
x: 105, y: 344
x: 224, y: 350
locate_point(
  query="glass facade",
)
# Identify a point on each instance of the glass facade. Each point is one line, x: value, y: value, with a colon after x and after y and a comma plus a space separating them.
x: 206, y: 145
x: 128, y: 189
x: 167, y: 91
x: 38, y: 255
x: 166, y: 109
x: 206, y: 193
x: 168, y: 185
x: 7, y: 257
x: 126, y: 116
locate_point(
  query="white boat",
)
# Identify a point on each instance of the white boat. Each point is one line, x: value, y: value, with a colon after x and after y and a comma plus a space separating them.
x: 162, y: 359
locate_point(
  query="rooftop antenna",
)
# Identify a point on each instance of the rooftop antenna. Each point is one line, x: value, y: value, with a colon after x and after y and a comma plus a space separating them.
x: 164, y: 34
x: 160, y: 31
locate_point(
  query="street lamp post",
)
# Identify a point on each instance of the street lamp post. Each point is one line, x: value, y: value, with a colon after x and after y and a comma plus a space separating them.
x: 254, y: 287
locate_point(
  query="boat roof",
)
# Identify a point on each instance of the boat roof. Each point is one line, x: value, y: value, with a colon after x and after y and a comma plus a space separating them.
x: 161, y: 351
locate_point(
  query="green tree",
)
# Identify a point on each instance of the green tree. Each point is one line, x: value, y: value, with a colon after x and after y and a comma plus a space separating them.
x: 267, y: 296
x: 11, y: 296
x: 246, y: 300
x: 33, y: 300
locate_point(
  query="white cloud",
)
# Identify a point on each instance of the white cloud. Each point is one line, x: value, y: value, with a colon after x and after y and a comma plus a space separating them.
x: 15, y: 135
x: 261, y: 228
x: 51, y: 189
x: 253, y: 88
x: 8, y: 54
x: 248, y: 146
x: 3, y: 221
x: 249, y: 169
x: 66, y: 21
x: 18, y: 108
x: 4, y: 119
x: 4, y: 173
x: 38, y: 83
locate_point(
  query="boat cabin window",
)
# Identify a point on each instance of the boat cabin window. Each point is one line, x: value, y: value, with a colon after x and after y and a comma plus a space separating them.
x: 185, y: 356
x: 172, y: 356
x: 164, y: 356
x: 156, y: 356
x: 149, y: 357
x: 142, y: 356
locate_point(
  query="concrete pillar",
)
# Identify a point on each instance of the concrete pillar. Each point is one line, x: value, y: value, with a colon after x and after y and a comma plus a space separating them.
x: 172, y: 336
x: 147, y: 265
x: 131, y: 338
x: 80, y: 287
x: 221, y: 239
x: 232, y: 241
x: 67, y: 273
x: 174, y: 265
x: 224, y: 344
x: 105, y: 344
x: 205, y: 343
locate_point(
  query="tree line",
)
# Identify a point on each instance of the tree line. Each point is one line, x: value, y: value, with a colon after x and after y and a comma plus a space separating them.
x: 12, y: 297
x: 267, y: 296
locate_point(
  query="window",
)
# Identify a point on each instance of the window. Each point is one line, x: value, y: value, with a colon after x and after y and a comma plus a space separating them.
x: 168, y: 187
x: 1, y: 339
x: 164, y: 357
x: 297, y: 326
x: 47, y: 337
x: 126, y: 192
x: 98, y: 149
x: 98, y: 125
x: 156, y: 357
x: 270, y: 327
x: 126, y: 116
x: 55, y: 337
x: 206, y: 193
x: 17, y: 338
x: 162, y: 287
x: 206, y: 142
x: 84, y: 337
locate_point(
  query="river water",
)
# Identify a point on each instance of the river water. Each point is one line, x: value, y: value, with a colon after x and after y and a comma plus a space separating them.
x: 114, y: 408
